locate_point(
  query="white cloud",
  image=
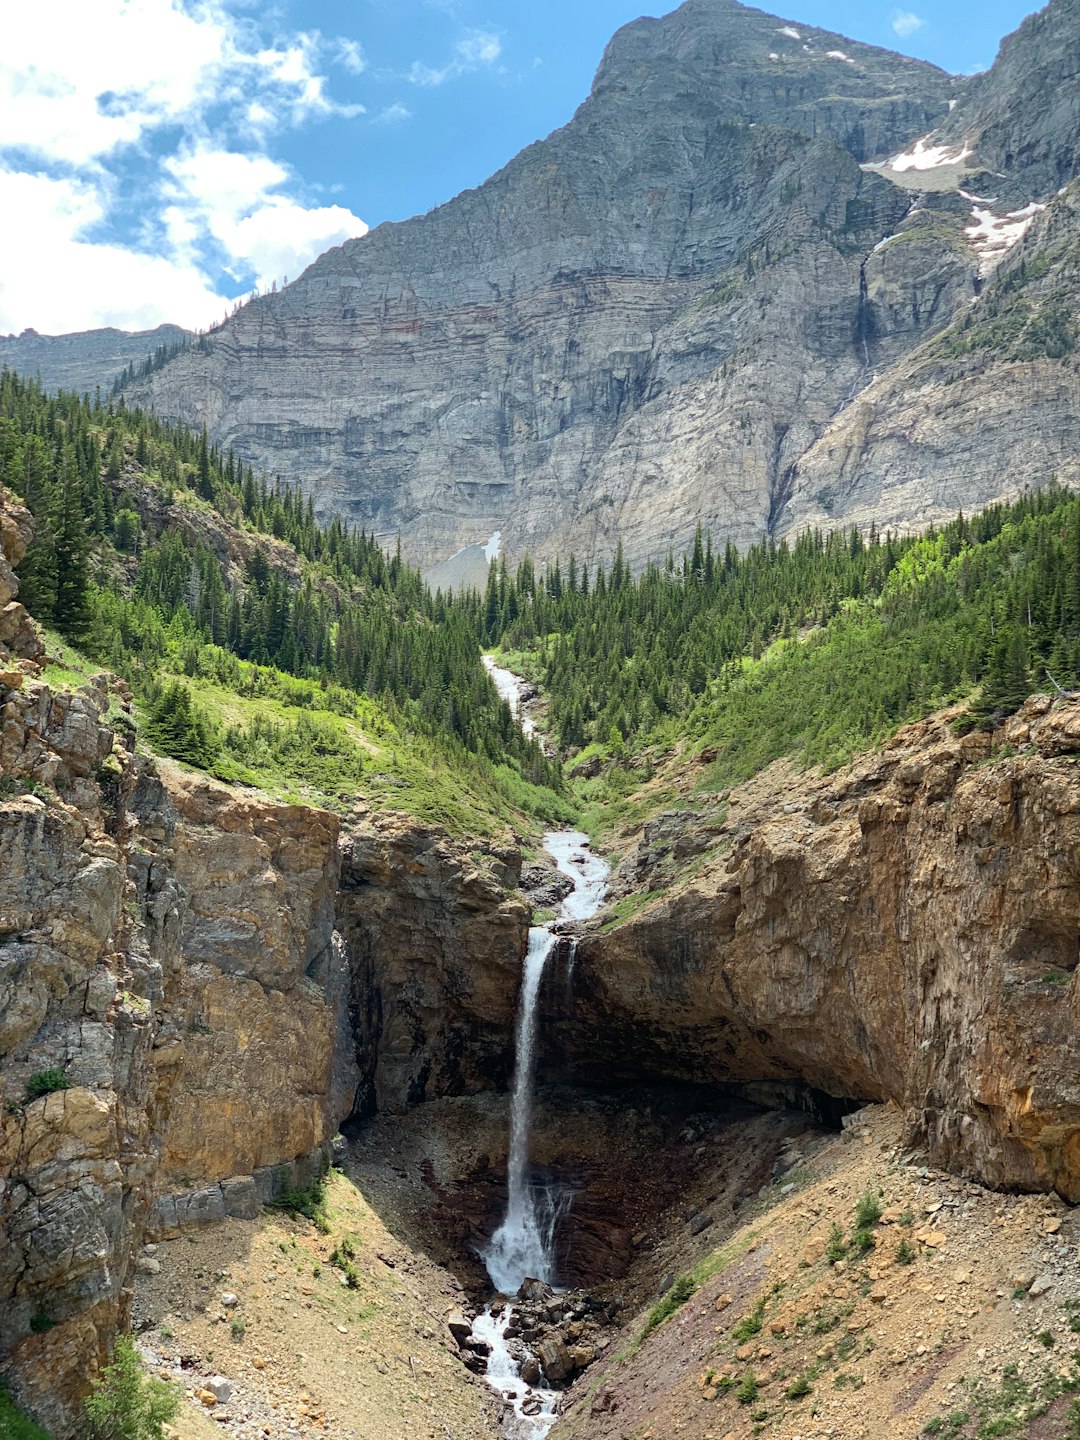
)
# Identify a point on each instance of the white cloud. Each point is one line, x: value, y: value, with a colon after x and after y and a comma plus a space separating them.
x: 55, y: 281
x: 350, y: 54
x: 89, y: 93
x: 392, y: 115
x: 233, y: 200
x: 474, y: 49
x: 906, y: 22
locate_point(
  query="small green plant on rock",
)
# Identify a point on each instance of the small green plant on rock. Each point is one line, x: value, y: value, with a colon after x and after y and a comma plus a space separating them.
x: 799, y: 1388
x: 867, y: 1211
x: 126, y: 1404
x: 906, y: 1253
x: 238, y: 1327
x: 835, y: 1249
x: 750, y: 1325
x: 45, y: 1082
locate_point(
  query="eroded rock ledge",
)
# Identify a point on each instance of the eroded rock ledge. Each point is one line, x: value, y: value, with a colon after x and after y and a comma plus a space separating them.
x: 904, y: 929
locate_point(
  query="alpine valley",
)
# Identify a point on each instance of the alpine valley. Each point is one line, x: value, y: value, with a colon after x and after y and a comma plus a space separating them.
x: 540, y: 791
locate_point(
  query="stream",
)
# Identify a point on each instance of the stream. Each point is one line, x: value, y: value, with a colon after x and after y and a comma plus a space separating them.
x: 522, y: 1248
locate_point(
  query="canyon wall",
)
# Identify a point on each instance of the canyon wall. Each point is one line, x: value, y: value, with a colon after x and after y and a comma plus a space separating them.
x: 906, y: 929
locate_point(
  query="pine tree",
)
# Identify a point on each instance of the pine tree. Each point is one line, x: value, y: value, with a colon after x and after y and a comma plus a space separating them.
x: 71, y: 610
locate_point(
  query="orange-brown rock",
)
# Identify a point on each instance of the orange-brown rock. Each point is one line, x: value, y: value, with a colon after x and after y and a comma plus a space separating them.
x: 906, y: 928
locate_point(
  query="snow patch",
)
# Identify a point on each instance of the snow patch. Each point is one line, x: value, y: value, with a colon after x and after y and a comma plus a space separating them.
x: 975, y: 199
x: 789, y: 31
x: 952, y: 106
x: 992, y: 236
x: 928, y: 157
x: 839, y: 55
x: 773, y: 55
x: 493, y: 546
x: 882, y: 243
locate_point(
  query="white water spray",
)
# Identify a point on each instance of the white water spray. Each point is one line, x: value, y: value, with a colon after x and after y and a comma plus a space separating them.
x: 522, y: 1246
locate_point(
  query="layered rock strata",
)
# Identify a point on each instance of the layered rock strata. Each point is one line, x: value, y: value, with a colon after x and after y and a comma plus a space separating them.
x: 640, y: 322
x: 713, y: 296
x: 906, y: 929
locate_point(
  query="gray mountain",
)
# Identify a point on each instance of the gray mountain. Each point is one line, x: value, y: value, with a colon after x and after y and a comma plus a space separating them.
x: 676, y: 308
x: 85, y: 359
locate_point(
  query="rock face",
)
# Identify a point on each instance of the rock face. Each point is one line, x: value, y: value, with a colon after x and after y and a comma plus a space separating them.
x: 710, y: 297
x: 641, y: 321
x: 154, y: 956
x: 84, y: 359
x: 19, y: 639
x: 182, y: 1028
x: 261, y: 1003
x: 906, y: 929
x: 435, y: 943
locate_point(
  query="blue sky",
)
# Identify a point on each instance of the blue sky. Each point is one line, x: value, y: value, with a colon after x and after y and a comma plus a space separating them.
x: 166, y: 157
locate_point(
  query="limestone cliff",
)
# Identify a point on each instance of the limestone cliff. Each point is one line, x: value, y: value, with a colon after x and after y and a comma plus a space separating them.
x: 905, y: 929
x: 712, y: 297
x: 158, y: 1028
x: 85, y: 360
x: 641, y: 321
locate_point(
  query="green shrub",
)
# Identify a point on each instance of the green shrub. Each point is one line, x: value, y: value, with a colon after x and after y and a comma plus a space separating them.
x: 862, y: 1241
x: 747, y: 1392
x: 867, y: 1211
x: 126, y: 1404
x: 238, y: 1327
x: 750, y: 1325
x: 906, y: 1253
x: 45, y: 1082
x: 678, y: 1295
x: 41, y: 1322
x: 308, y: 1202
x: 799, y: 1387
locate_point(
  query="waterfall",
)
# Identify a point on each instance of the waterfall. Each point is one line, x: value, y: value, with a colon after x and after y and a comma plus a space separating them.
x: 522, y: 1246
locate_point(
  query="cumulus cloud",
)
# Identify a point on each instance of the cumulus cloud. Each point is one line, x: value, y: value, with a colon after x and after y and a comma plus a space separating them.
x: 906, y: 22
x: 231, y: 202
x: 172, y: 92
x: 475, y: 49
x: 55, y: 280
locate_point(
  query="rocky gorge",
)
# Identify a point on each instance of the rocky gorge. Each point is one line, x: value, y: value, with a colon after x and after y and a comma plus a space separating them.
x: 202, y: 985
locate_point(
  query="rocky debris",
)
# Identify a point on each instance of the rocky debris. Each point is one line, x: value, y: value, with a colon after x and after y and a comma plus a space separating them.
x: 856, y: 930
x: 894, y: 1339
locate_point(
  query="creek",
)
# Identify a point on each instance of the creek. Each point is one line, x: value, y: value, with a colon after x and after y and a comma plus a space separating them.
x: 523, y: 1247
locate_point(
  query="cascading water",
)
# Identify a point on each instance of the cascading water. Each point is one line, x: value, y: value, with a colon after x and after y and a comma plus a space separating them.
x: 523, y: 1246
